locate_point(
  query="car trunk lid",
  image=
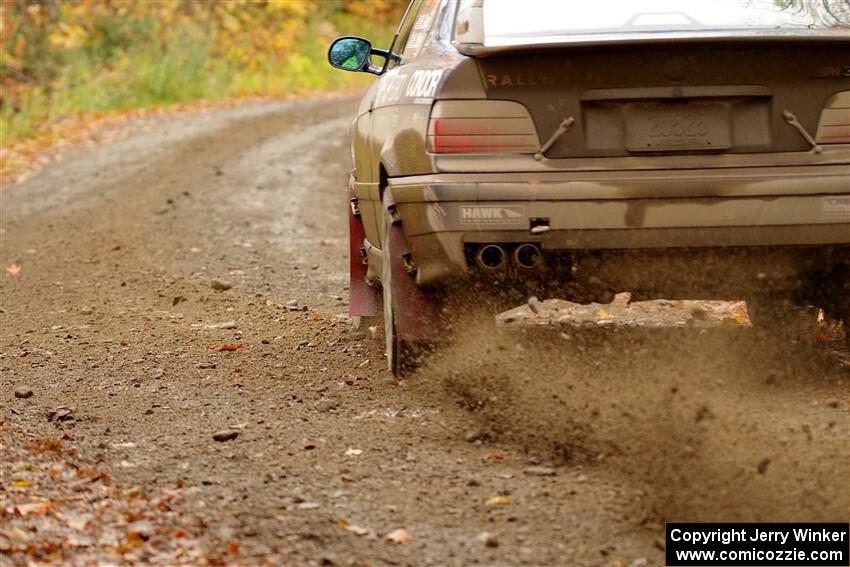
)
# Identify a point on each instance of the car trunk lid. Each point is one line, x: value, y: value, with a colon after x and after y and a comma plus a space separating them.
x: 689, y: 98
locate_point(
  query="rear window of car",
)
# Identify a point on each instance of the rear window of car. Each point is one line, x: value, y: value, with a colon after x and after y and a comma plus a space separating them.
x: 544, y: 20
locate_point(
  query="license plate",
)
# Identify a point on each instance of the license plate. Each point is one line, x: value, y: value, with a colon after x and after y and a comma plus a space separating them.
x: 666, y: 127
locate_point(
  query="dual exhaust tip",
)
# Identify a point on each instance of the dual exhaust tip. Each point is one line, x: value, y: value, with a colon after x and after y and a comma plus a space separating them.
x: 493, y: 257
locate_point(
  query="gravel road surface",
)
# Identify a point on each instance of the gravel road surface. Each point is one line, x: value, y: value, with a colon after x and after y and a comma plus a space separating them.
x: 505, y: 450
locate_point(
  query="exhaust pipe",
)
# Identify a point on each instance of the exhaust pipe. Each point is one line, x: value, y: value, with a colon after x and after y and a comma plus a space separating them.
x: 528, y: 257
x: 491, y: 257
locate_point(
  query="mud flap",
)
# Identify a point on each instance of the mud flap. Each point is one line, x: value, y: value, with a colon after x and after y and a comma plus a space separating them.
x: 365, y: 299
x: 417, y: 311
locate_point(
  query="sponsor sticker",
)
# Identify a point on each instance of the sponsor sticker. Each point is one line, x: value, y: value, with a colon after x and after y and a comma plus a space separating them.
x: 492, y: 214
x: 423, y: 83
x: 836, y: 209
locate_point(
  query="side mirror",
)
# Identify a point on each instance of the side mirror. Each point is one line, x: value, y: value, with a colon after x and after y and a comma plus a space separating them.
x: 350, y: 54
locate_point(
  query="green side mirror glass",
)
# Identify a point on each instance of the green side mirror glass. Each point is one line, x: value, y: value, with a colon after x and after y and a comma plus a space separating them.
x: 350, y: 53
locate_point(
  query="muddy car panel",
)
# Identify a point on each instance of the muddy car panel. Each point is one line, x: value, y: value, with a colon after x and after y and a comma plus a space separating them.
x: 720, y: 143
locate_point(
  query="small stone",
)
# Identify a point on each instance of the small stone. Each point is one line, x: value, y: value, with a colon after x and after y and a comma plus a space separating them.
x: 86, y: 310
x: 534, y: 304
x: 326, y: 405
x: 206, y: 365
x: 473, y: 435
x: 220, y: 285
x: 222, y: 325
x: 488, y: 539
x: 23, y: 392
x: 225, y: 533
x: 62, y: 413
x: 539, y: 471
x: 226, y: 435
x: 292, y: 303
x: 473, y: 482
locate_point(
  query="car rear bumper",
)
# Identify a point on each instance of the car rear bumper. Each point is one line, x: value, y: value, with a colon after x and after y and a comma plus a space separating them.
x: 724, y: 207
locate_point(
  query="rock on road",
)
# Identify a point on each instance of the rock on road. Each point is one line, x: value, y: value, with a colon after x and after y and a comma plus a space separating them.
x: 228, y: 228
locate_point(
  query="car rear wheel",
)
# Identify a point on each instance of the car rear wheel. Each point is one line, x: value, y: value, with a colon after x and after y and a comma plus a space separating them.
x: 400, y: 359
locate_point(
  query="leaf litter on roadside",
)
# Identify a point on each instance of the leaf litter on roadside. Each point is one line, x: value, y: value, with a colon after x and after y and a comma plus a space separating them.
x: 54, y: 508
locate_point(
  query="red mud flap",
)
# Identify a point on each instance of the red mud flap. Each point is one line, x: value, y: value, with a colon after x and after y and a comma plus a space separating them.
x: 659, y: 313
x: 417, y: 311
x: 365, y: 299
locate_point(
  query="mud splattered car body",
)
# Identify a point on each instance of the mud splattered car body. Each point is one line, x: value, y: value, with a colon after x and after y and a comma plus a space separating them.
x: 651, y: 152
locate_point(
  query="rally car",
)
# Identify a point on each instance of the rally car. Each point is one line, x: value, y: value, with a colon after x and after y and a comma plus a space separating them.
x: 660, y: 147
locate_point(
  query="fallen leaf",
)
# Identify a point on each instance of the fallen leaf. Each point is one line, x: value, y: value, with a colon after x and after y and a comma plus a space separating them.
x: 37, y: 508
x: 134, y: 539
x: 222, y: 348
x: 400, y: 535
x: 498, y: 501
x: 742, y: 319
x: 495, y: 457
x: 18, y: 535
x: 356, y: 530
x: 88, y: 472
x: 21, y: 483
x: 76, y: 521
x: 13, y: 270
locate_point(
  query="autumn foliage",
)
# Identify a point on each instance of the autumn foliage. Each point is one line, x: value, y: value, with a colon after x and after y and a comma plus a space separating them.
x: 63, y: 59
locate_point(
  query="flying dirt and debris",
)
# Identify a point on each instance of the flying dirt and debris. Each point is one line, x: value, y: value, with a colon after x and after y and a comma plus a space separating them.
x: 138, y: 426
x: 621, y: 312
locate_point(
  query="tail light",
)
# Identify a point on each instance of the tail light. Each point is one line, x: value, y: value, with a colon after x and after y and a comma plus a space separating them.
x: 481, y: 126
x: 834, y: 125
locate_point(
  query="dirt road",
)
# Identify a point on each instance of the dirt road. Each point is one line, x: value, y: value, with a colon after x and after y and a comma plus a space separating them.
x: 565, y: 450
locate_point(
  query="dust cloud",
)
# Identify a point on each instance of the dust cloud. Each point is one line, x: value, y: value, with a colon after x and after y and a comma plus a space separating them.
x: 743, y: 424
